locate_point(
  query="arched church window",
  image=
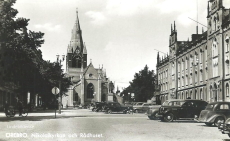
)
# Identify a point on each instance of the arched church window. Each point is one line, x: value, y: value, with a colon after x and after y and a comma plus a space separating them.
x: 74, y: 63
x: 90, y: 90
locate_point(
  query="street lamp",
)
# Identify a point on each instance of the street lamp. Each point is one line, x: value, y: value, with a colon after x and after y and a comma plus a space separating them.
x: 59, y: 61
x: 128, y: 96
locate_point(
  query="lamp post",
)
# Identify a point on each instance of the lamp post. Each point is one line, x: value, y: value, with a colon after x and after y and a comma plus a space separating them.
x: 59, y: 61
x: 128, y: 96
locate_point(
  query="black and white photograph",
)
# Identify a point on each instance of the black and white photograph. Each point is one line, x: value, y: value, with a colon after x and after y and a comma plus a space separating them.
x: 114, y: 70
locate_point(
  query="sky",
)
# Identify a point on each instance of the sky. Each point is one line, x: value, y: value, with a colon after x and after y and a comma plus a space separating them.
x: 121, y: 35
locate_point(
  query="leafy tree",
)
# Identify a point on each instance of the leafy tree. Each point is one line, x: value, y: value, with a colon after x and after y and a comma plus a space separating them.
x: 22, y: 66
x: 142, y: 86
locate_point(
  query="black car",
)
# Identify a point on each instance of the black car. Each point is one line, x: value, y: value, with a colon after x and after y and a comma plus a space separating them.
x: 215, y: 112
x: 224, y: 127
x: 181, y: 109
x: 116, y: 107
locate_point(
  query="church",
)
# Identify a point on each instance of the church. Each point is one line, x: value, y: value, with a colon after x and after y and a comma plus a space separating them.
x: 199, y: 68
x: 89, y: 84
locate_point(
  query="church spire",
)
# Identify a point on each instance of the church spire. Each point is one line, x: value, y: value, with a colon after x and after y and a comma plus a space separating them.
x: 76, y: 38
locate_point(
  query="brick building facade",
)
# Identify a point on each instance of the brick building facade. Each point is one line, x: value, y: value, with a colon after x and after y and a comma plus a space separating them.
x: 198, y: 68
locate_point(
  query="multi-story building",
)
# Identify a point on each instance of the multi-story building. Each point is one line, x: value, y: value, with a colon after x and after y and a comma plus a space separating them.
x: 88, y: 83
x: 199, y: 68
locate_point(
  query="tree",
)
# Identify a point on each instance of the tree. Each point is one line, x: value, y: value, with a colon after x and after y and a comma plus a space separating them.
x: 142, y: 85
x: 22, y: 66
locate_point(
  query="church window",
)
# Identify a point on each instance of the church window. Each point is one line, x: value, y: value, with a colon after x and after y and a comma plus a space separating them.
x: 90, y: 75
x: 74, y: 64
x: 90, y: 91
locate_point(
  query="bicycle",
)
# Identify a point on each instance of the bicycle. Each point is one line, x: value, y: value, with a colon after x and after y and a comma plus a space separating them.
x: 11, y: 112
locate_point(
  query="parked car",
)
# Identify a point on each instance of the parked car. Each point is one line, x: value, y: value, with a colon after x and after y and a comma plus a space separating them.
x: 141, y: 108
x: 215, y: 112
x: 152, y: 111
x: 224, y: 127
x: 180, y: 109
x: 116, y: 107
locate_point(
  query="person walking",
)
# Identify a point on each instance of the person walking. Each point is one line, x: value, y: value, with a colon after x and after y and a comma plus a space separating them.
x: 20, y: 107
x: 6, y: 107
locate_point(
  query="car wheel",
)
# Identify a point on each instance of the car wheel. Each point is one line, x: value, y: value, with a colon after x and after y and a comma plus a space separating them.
x: 109, y: 111
x: 124, y: 112
x: 169, y: 117
x: 228, y: 134
x: 208, y: 124
x: 136, y: 111
x: 218, y: 120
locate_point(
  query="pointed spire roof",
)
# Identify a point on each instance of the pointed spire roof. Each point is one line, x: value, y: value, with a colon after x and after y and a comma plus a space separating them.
x: 76, y: 38
x: 174, y: 26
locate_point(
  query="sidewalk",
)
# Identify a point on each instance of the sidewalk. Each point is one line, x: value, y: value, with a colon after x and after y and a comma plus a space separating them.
x: 64, y: 112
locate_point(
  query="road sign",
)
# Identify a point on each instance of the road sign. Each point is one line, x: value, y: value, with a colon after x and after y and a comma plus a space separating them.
x: 55, y: 91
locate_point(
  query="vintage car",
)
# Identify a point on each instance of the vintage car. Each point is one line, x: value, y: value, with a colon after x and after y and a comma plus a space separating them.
x: 152, y: 112
x: 215, y: 112
x: 141, y: 108
x: 224, y: 127
x: 180, y: 109
x: 116, y: 107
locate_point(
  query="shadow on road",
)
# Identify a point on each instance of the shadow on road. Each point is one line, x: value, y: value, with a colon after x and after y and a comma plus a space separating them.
x: 226, y: 139
x: 207, y: 126
x: 180, y: 121
x: 33, y: 118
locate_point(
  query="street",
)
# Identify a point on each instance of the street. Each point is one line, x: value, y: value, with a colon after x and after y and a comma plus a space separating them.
x: 83, y: 124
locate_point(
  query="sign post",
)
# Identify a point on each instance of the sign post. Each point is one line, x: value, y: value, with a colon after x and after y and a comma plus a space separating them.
x: 55, y: 91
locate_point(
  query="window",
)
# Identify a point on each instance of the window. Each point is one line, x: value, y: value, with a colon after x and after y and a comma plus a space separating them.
x: 214, y: 48
x: 90, y: 90
x: 201, y: 94
x: 224, y: 107
x: 227, y: 90
x: 209, y: 106
x: 227, y: 43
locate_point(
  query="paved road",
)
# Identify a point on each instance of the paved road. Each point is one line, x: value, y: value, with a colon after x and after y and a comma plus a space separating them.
x: 82, y: 124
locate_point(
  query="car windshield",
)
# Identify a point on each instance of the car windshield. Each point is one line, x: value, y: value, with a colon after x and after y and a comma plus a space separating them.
x: 209, y: 106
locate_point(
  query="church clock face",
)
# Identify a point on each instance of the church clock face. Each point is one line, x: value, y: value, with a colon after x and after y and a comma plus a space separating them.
x: 78, y: 51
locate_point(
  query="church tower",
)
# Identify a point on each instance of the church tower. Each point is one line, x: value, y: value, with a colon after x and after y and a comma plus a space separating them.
x: 76, y: 60
x: 76, y: 52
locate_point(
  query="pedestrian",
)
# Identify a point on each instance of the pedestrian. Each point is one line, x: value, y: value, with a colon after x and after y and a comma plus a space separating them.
x: 20, y: 107
x: 6, y: 107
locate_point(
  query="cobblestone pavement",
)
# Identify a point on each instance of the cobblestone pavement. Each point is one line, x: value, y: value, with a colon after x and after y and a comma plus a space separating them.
x: 82, y: 124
